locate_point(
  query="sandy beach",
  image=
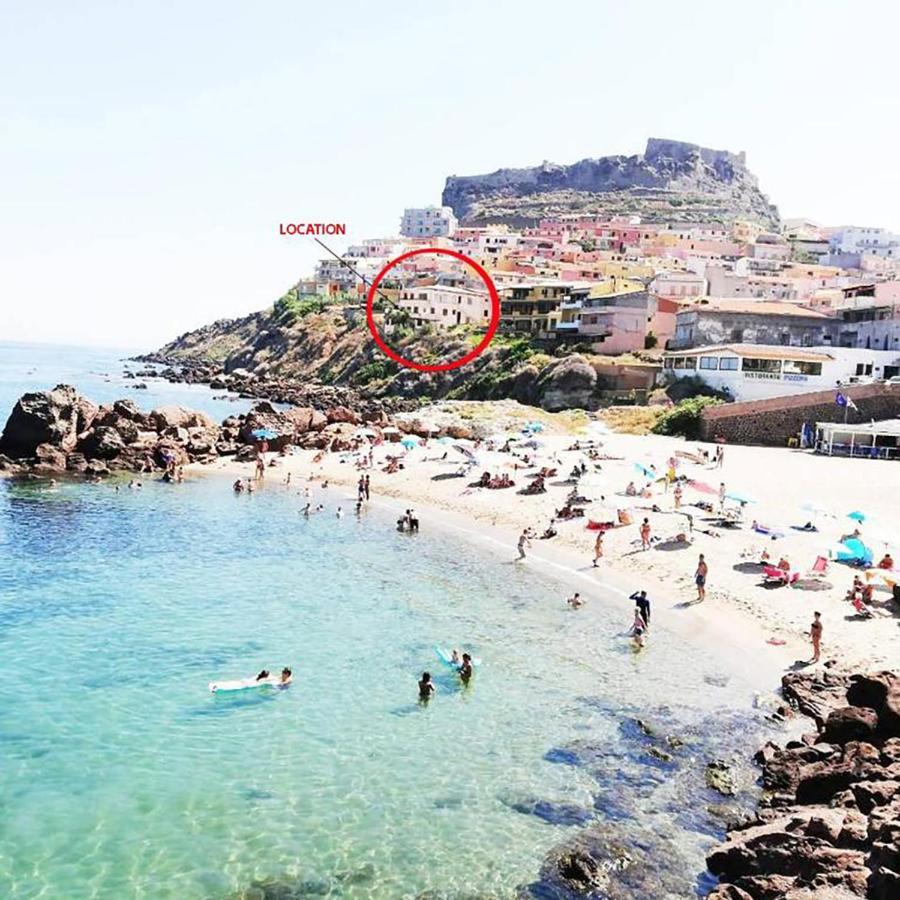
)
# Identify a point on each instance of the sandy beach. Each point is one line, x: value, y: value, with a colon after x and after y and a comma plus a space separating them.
x: 756, y: 627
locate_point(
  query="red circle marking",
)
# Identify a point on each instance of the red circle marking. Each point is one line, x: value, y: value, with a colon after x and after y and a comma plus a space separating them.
x: 442, y: 367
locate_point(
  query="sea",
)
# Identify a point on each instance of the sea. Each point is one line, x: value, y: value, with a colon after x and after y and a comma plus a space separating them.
x: 123, y: 776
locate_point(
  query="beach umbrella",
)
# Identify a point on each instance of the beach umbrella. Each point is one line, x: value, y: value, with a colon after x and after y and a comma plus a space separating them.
x: 857, y: 516
x: 534, y: 426
x: 702, y: 486
x: 264, y: 434
x: 853, y: 550
x: 445, y: 440
x: 409, y: 442
x: 739, y: 498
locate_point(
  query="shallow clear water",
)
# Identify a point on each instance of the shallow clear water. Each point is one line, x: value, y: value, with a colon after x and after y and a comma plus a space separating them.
x: 122, y: 776
x: 98, y: 375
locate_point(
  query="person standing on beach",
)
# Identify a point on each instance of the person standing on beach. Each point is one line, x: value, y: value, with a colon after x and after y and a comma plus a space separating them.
x: 815, y: 634
x: 598, y: 548
x: 700, y: 578
x: 366, y: 486
x: 645, y: 534
x: 677, y: 495
x: 721, y: 495
x: 524, y: 542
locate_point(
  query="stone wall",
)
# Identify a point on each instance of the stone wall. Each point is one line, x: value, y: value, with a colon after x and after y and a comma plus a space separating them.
x: 772, y: 422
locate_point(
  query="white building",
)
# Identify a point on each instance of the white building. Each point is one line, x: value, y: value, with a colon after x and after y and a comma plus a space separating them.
x: 875, y: 241
x: 430, y: 221
x: 673, y: 285
x: 445, y: 306
x: 760, y: 371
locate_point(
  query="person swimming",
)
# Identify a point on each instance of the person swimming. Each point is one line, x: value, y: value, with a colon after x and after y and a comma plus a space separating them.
x: 465, y: 670
x: 286, y: 676
x: 426, y: 687
x: 263, y: 675
x: 455, y: 658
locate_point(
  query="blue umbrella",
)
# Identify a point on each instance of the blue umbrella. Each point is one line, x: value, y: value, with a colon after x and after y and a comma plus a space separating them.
x: 855, y: 551
x: 410, y: 442
x: 264, y: 434
x: 445, y: 440
x: 857, y: 516
x: 647, y: 473
x: 534, y: 426
x: 739, y: 498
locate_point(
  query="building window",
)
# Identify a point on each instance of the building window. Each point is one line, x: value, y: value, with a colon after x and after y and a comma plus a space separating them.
x: 709, y: 362
x: 728, y: 363
x: 737, y: 334
x: 669, y: 363
x: 797, y: 367
x: 762, y: 365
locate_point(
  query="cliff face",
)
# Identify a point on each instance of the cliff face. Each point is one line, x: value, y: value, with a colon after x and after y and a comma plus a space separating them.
x: 671, y: 181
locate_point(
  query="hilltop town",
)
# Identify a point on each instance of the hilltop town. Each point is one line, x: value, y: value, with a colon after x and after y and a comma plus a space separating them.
x: 594, y: 311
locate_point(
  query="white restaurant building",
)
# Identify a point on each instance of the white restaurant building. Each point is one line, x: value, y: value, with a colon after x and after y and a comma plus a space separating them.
x: 760, y: 371
x: 445, y: 306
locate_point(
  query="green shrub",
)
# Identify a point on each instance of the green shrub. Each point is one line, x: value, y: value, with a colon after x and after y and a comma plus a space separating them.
x: 374, y: 371
x: 684, y: 419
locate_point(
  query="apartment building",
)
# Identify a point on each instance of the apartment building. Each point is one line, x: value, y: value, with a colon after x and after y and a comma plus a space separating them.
x: 428, y: 221
x: 445, y: 306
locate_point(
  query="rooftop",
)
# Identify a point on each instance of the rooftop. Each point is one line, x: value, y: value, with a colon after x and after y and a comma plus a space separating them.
x: 750, y: 306
x: 757, y: 351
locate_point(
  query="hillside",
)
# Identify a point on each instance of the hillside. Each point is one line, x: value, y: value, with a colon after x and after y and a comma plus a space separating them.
x: 672, y: 181
x: 278, y: 355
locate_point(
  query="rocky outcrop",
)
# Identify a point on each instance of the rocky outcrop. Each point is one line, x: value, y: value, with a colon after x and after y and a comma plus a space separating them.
x: 671, y: 181
x: 568, y: 383
x: 52, y: 418
x: 55, y: 432
x: 829, y: 823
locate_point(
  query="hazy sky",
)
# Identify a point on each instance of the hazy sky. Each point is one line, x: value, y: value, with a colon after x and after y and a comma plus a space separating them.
x: 149, y: 150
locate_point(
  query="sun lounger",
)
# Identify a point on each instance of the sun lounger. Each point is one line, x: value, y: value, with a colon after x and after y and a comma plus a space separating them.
x: 774, y: 574
x: 862, y: 609
x: 819, y: 568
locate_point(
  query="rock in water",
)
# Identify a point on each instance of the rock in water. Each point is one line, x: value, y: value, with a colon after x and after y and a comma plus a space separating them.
x: 52, y: 417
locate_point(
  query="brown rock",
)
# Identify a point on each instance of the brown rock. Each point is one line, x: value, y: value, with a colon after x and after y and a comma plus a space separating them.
x: 850, y: 723
x: 342, y: 414
x: 50, y: 458
x: 165, y: 417
x: 869, y: 794
x: 879, y: 691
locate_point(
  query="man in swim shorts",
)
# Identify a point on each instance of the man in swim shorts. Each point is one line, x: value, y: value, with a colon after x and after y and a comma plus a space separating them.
x: 700, y: 578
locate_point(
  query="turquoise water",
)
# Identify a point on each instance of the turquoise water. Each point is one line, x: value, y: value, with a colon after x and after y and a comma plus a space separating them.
x: 122, y: 776
x: 97, y: 373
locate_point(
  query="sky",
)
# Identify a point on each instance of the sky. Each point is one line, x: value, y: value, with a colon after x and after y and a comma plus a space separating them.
x: 149, y: 150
